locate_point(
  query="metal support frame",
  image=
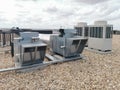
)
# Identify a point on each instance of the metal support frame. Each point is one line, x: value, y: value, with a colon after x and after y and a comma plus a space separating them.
x: 98, y: 51
x: 53, y: 60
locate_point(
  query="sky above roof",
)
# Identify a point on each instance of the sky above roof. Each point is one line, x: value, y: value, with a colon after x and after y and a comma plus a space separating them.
x: 56, y: 13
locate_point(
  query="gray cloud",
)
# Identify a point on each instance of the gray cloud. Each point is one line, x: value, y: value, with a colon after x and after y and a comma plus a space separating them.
x: 29, y: 19
x: 52, y: 9
x: 34, y: 20
x: 90, y: 1
x: 114, y: 16
x: 107, y: 8
x: 60, y: 13
x: 66, y: 14
x: 23, y: 13
x: 102, y: 11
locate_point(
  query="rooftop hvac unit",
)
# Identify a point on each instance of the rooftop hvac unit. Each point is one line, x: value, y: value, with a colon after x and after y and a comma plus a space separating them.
x: 28, y: 49
x: 100, y: 36
x: 82, y: 29
x: 67, y: 44
x: 0, y: 37
x: 5, y: 38
x: 15, y: 32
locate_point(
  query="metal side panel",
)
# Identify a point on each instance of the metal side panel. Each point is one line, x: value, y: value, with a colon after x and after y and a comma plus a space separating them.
x: 31, y: 54
x: 82, y: 45
x: 67, y: 47
x: 56, y: 44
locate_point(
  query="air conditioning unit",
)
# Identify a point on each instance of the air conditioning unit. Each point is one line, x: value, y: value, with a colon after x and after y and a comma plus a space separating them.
x: 100, y: 36
x: 5, y: 38
x: 0, y: 37
x: 67, y: 44
x: 28, y: 49
x: 82, y: 29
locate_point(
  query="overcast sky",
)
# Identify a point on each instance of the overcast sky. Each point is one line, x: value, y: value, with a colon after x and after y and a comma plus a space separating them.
x: 56, y: 13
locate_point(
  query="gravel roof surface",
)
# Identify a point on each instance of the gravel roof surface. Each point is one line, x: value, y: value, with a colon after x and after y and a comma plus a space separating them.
x: 97, y: 72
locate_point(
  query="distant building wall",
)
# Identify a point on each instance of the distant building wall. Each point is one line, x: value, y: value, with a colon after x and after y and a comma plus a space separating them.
x: 116, y: 32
